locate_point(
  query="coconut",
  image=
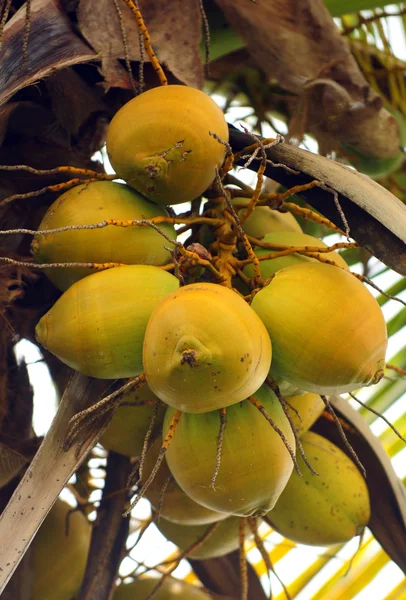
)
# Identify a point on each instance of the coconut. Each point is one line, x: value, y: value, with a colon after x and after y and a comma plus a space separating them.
x: 59, y: 559
x: 286, y: 388
x: 92, y: 203
x: 263, y: 220
x: 172, y: 589
x: 255, y: 464
x: 309, y: 406
x: 174, y: 505
x: 374, y: 166
x: 130, y: 424
x: 223, y: 540
x: 290, y: 238
x: 161, y: 143
x: 329, y: 508
x: 98, y: 325
x: 205, y: 348
x: 328, y: 332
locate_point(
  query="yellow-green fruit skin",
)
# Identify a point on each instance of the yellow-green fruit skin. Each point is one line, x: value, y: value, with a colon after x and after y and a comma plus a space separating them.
x: 264, y: 220
x: 160, y: 143
x: 328, y: 332
x: 223, y: 540
x: 255, y: 464
x: 286, y: 388
x: 98, y: 325
x: 290, y: 238
x: 59, y: 560
x: 130, y: 424
x: 172, y: 589
x: 175, y: 505
x: 205, y: 348
x: 93, y: 203
x: 309, y: 406
x: 324, y: 509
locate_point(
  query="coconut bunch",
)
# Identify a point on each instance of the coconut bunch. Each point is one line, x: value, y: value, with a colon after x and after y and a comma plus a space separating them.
x: 216, y: 438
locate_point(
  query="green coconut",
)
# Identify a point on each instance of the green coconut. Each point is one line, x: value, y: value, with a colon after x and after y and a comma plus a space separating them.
x: 255, y: 463
x: 374, y: 167
x: 261, y: 221
x: 328, y: 332
x: 290, y: 238
x: 128, y: 428
x: 98, y: 325
x: 223, y: 540
x: 380, y: 167
x: 174, y: 505
x: 92, y: 203
x: 264, y: 220
x: 205, y: 348
x: 59, y: 560
x: 329, y: 508
x: 172, y: 589
x: 161, y: 143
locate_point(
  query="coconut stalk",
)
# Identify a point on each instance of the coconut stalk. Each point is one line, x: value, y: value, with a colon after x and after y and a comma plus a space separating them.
x: 376, y: 218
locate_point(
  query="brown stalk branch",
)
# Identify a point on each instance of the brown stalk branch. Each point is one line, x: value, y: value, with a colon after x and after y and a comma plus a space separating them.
x: 110, y: 531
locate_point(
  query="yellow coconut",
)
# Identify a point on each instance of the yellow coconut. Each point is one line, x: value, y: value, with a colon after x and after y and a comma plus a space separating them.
x: 59, y: 560
x: 172, y: 589
x: 290, y: 238
x: 328, y: 332
x: 92, y: 203
x: 128, y: 428
x: 98, y: 325
x: 309, y: 407
x: 324, y: 509
x: 205, y: 348
x: 161, y: 144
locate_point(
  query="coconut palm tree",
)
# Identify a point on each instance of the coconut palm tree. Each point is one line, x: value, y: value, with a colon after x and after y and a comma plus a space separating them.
x: 313, y: 93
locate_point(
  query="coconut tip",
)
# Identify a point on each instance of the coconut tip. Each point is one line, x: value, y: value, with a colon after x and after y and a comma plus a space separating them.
x: 189, y: 357
x: 377, y: 376
x: 41, y: 331
x: 34, y: 247
x: 191, y: 352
